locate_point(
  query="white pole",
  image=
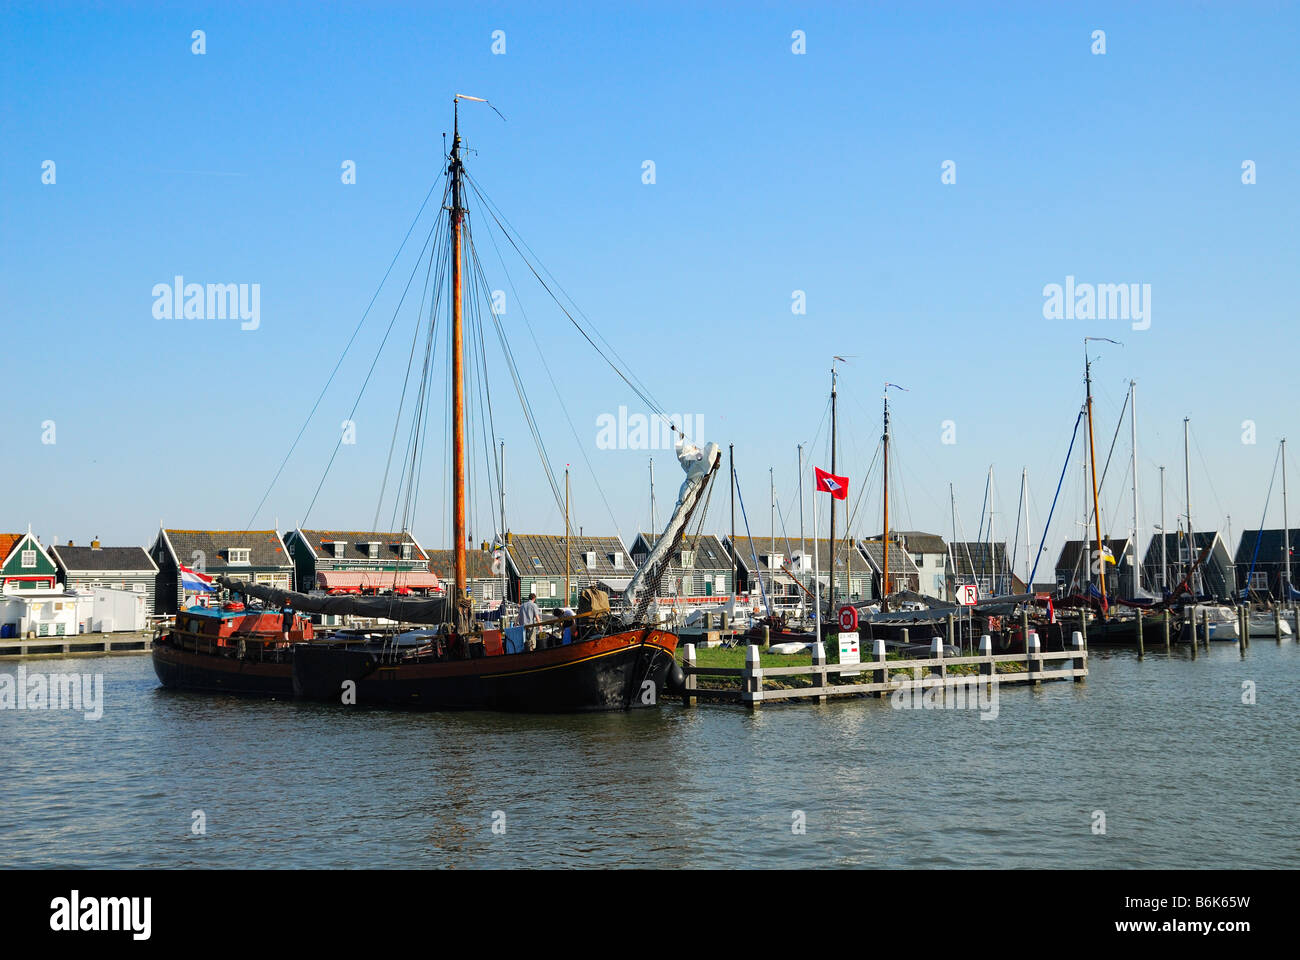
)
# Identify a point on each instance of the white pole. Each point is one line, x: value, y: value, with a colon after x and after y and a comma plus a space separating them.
x: 1286, y: 536
x: 817, y: 571
x: 1137, y: 526
x: 1164, y: 538
x: 1024, y: 484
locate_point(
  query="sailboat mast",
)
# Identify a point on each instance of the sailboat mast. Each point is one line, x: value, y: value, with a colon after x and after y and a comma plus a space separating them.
x: 568, y: 553
x: 803, y: 547
x: 1096, y: 504
x: 884, y: 439
x: 1164, y: 535
x: 1024, y: 508
x: 653, y: 528
x: 731, y: 459
x: 1286, y: 536
x: 457, y: 215
x: 830, y: 595
x: 1187, y: 489
x: 1137, y: 527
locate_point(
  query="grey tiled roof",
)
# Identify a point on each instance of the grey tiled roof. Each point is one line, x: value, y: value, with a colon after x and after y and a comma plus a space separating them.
x: 900, y: 563
x: 358, y: 544
x: 710, y: 554
x: 549, y: 551
x: 265, y: 548
x: 75, y: 559
x: 478, y: 564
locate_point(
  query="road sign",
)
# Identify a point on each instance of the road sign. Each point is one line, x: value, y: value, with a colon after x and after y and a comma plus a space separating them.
x: 967, y: 594
x: 848, y: 618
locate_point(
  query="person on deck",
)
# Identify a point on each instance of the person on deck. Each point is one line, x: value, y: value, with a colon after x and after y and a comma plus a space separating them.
x: 529, y: 616
x: 286, y: 619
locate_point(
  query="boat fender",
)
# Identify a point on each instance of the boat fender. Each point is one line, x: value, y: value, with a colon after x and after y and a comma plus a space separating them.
x: 675, y: 679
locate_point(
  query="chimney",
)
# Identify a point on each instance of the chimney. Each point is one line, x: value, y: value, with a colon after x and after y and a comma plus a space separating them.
x: 70, y: 543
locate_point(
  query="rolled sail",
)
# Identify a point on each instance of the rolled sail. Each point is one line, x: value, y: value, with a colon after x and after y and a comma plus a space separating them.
x: 405, y: 609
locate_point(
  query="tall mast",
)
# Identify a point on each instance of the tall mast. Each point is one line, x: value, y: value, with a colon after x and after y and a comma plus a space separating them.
x: 1096, y: 505
x: 1024, y: 507
x: 771, y: 547
x: 884, y: 439
x: 803, y: 547
x: 830, y: 594
x: 457, y: 215
x: 501, y: 488
x: 1187, y: 487
x: 653, y: 528
x: 952, y: 549
x: 568, y: 555
x: 1137, y: 528
x: 1164, y: 534
x: 1286, y: 535
x: 731, y: 459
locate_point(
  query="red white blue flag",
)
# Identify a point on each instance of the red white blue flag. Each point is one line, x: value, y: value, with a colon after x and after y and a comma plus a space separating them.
x: 196, y: 582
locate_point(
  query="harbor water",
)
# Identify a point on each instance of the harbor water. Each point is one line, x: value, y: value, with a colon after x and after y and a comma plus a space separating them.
x: 1147, y: 764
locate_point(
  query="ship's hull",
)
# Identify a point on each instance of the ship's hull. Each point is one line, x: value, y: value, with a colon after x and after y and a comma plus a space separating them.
x: 187, y: 670
x: 614, y: 672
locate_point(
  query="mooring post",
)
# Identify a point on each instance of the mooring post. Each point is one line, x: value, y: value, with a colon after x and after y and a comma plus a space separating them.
x: 881, y: 675
x: 767, y: 637
x: 986, y: 651
x: 936, y: 653
x: 688, y: 687
x: 1034, y: 660
x: 1142, y: 650
x: 1205, y: 622
x: 1244, y: 640
x: 952, y: 630
x: 708, y: 622
x: 1189, y: 624
x: 1277, y: 623
x: 1083, y: 623
x: 723, y: 620
x: 906, y: 637
x: 1166, y: 619
x: 819, y: 668
x: 753, y: 685
x: 1079, y: 662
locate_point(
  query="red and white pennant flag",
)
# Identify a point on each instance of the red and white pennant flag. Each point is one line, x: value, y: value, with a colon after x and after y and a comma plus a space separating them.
x: 837, y: 487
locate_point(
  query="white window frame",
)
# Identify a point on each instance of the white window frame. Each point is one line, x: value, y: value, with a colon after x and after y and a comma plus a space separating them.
x: 238, y: 556
x: 373, y: 547
x: 29, y: 558
x: 339, y: 547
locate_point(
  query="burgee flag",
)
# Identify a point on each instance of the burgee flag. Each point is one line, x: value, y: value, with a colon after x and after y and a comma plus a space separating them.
x: 837, y: 487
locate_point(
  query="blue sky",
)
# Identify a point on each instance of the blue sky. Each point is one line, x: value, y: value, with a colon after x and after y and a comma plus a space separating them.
x: 775, y: 172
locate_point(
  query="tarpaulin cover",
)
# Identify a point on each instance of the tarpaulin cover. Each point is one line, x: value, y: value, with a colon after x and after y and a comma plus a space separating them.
x: 405, y: 609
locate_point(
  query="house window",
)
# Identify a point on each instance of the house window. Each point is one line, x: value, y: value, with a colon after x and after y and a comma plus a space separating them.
x: 374, y: 550
x: 720, y: 583
x: 537, y: 563
x: 688, y: 559
x: 238, y: 555
x: 553, y: 590
x: 29, y: 559
x: 617, y: 560
x: 406, y: 551
x: 339, y: 546
x: 589, y: 558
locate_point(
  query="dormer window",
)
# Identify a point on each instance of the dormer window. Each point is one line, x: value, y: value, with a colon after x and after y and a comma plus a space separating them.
x: 617, y: 560
x: 406, y: 551
x: 589, y: 558
x: 339, y: 546
x: 374, y: 549
x: 238, y: 555
x: 688, y: 558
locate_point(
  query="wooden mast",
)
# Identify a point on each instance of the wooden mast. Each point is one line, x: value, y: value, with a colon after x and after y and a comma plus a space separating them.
x: 457, y: 214
x: 1096, y: 505
x: 884, y: 576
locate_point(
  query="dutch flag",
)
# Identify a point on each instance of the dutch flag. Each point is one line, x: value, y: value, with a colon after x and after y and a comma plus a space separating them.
x: 196, y: 582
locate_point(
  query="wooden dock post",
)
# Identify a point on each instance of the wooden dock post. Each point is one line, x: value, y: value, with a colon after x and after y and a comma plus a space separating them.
x: 767, y: 637
x: 752, y: 688
x: 952, y: 631
x: 881, y: 674
x: 688, y: 688
x: 986, y: 650
x: 1166, y: 619
x: 1189, y: 624
x: 1083, y: 624
x: 1142, y: 650
x: 1243, y: 641
x: 906, y: 636
x: 1079, y: 662
x: 1033, y: 662
x: 819, y: 667
x: 708, y: 622
x: 1277, y: 623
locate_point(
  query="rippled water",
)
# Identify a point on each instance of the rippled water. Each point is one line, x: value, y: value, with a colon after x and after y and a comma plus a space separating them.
x: 1186, y: 775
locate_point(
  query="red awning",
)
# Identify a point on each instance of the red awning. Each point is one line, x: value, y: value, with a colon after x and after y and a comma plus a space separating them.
x: 373, y: 581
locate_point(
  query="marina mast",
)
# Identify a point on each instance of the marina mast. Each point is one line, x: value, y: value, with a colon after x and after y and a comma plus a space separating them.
x: 884, y: 573
x: 457, y: 216
x: 1092, y: 456
x: 830, y: 595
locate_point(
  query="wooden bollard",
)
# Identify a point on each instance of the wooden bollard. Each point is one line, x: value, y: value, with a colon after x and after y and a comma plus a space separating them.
x: 1205, y: 623
x: 1244, y: 640
x: 723, y: 620
x: 1142, y: 650
x: 1189, y: 624
x: 1166, y: 619
x: 767, y: 637
x: 880, y: 675
x: 1277, y: 623
x: 1083, y: 624
x: 819, y: 668
x: 986, y: 650
x: 952, y: 630
x: 1079, y: 662
x: 753, y: 686
x: 906, y: 636
x: 688, y: 687
x: 1033, y: 660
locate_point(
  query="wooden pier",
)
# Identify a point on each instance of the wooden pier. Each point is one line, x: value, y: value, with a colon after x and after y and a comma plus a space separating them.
x: 880, y: 676
x: 80, y: 645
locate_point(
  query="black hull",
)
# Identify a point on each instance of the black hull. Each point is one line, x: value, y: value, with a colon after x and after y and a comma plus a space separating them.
x: 208, y: 673
x: 597, y: 676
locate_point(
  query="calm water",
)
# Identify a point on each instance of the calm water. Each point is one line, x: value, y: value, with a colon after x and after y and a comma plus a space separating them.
x: 1186, y: 774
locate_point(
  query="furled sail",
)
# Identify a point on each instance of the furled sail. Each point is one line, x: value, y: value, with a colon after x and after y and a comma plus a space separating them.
x: 699, y: 466
x: 403, y: 609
